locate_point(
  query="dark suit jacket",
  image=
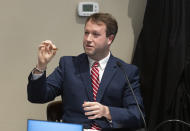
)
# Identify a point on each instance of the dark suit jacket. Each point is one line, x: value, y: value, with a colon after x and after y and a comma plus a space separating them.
x: 71, y: 80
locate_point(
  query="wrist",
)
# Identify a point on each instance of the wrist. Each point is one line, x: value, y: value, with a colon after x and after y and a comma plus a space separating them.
x: 107, y: 113
x: 38, y: 70
x: 41, y: 67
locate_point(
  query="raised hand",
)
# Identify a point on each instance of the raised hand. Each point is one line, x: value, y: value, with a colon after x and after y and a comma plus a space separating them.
x: 46, y: 51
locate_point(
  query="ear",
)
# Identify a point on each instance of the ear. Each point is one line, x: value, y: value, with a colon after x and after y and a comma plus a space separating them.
x: 110, y: 39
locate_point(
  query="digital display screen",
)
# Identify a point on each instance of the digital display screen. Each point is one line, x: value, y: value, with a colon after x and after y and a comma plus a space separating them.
x: 88, y: 8
x: 39, y: 125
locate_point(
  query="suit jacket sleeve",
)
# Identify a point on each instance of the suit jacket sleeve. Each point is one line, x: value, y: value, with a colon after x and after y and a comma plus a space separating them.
x: 45, y: 89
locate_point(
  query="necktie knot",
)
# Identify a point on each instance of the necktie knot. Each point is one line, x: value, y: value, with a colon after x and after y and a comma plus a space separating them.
x: 96, y: 64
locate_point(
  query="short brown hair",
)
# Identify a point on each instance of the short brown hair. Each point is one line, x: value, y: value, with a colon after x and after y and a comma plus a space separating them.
x: 107, y: 19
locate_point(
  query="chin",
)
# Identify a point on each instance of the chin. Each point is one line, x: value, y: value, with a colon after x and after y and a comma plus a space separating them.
x: 90, y: 54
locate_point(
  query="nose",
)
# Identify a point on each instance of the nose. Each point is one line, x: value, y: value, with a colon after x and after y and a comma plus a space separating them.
x: 89, y: 37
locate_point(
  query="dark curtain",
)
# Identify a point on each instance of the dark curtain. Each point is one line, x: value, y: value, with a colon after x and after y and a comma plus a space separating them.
x: 163, y: 56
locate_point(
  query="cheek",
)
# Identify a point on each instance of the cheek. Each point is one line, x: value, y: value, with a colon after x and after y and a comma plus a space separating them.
x: 101, y: 43
x: 84, y: 40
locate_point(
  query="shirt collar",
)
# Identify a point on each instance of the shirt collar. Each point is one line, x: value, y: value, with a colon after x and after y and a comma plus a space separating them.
x: 102, y: 62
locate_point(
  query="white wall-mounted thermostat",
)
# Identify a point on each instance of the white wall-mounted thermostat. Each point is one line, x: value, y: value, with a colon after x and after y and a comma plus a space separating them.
x: 87, y: 8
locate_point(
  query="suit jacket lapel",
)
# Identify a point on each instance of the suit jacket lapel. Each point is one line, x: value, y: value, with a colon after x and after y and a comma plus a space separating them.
x: 85, y: 75
x: 106, y: 78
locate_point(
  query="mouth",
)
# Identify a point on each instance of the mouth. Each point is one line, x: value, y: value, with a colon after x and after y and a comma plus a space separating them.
x: 89, y: 46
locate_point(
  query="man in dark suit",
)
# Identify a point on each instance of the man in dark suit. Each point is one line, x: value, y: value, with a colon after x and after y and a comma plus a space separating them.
x: 102, y: 102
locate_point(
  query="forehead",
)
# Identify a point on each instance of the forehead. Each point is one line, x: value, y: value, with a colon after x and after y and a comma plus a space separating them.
x: 95, y: 25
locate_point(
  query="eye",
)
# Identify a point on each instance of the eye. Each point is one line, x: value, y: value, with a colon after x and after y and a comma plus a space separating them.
x: 95, y: 34
x: 86, y: 32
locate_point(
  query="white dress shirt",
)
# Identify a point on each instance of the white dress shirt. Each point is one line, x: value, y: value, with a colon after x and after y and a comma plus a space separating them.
x: 102, y: 65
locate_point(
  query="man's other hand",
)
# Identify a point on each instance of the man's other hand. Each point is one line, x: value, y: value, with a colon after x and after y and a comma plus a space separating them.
x: 96, y: 110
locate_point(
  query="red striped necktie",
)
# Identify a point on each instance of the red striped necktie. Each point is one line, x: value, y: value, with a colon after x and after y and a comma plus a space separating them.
x: 95, y: 79
x: 95, y: 87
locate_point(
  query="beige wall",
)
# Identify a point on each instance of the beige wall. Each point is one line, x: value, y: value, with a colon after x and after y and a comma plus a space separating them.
x: 25, y: 23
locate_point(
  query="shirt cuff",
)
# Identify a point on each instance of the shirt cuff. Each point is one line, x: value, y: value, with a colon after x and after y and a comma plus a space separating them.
x: 36, y: 76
